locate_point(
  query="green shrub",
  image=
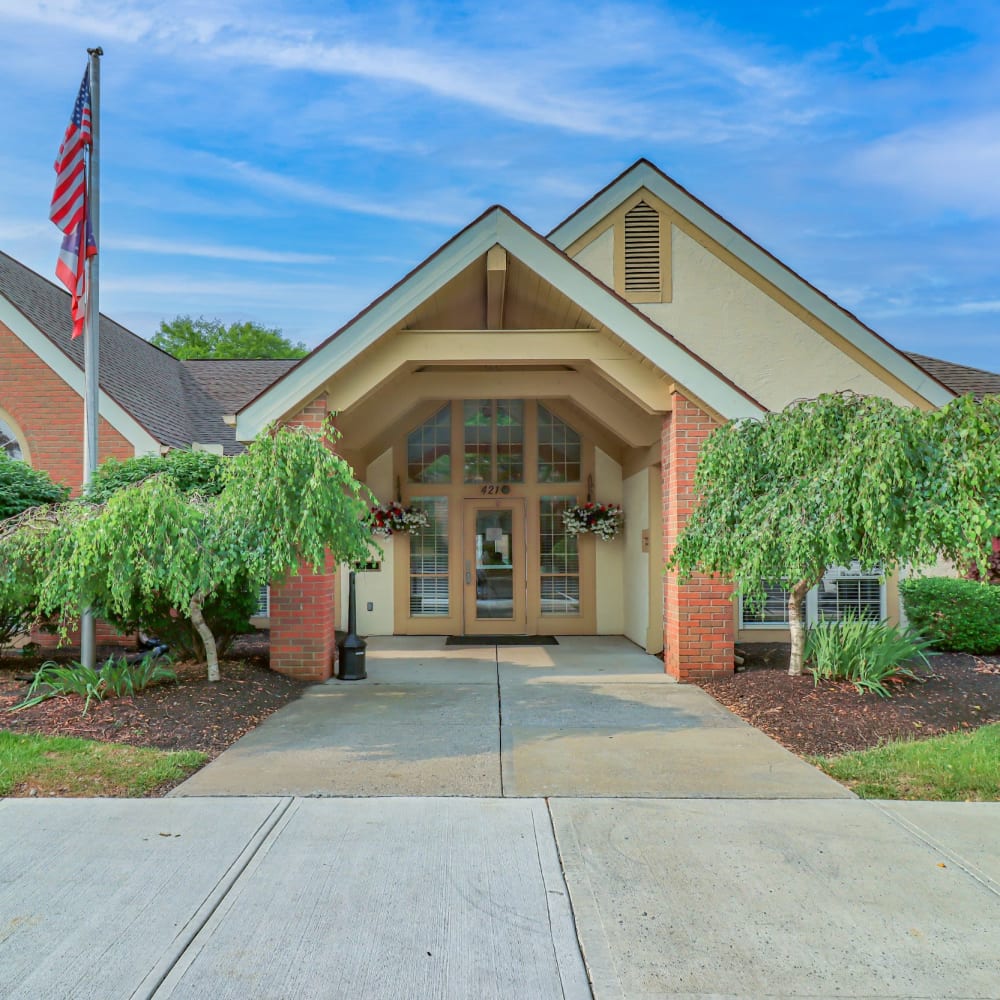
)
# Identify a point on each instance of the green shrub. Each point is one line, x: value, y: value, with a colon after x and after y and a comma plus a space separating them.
x: 18, y: 607
x: 22, y: 487
x: 227, y: 615
x: 960, y: 615
x: 192, y: 472
x: 116, y: 677
x: 862, y: 652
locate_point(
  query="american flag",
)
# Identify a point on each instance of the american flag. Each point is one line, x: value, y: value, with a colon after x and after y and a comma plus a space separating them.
x: 69, y: 205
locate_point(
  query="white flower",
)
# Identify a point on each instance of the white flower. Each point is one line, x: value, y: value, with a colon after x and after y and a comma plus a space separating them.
x: 601, y: 519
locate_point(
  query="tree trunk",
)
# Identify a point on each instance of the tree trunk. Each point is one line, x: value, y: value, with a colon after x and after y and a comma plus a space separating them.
x: 797, y: 626
x: 211, y: 653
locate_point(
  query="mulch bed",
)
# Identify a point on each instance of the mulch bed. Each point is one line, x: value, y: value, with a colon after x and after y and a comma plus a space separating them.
x: 962, y: 692
x: 190, y: 715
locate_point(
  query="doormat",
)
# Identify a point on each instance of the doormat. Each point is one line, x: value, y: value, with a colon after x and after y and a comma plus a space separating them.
x: 502, y: 640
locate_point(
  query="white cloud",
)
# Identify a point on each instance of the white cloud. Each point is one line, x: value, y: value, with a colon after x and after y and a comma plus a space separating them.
x: 575, y: 71
x: 948, y: 165
x: 429, y: 210
x: 216, y: 252
x: 982, y: 307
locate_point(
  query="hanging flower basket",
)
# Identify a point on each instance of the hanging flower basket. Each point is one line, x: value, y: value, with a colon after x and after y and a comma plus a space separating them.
x: 601, y: 519
x: 393, y: 519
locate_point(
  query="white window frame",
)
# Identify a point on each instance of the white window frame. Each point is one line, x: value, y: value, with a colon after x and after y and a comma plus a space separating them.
x: 263, y: 602
x: 852, y: 572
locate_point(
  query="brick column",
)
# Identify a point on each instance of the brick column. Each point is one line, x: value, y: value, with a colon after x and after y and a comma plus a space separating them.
x: 303, y: 624
x: 698, y: 616
x: 303, y: 608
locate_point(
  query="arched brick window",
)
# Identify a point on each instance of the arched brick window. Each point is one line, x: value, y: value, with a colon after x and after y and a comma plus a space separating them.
x: 9, y: 443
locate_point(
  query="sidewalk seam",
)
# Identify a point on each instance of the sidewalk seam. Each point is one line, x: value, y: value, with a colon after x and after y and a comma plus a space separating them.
x: 602, y: 971
x: 496, y: 657
x: 569, y: 896
x: 925, y: 838
x: 155, y: 978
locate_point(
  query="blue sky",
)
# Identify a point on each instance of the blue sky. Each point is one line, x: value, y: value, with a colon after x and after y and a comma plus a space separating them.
x: 287, y: 162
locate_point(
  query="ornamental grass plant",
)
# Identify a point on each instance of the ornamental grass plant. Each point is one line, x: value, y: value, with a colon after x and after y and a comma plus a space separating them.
x: 865, y: 653
x: 114, y: 678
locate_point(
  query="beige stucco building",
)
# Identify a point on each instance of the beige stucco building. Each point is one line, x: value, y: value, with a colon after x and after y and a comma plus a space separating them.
x: 511, y: 375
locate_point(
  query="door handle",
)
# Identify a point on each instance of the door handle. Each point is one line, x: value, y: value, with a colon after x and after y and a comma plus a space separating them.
x: 468, y: 571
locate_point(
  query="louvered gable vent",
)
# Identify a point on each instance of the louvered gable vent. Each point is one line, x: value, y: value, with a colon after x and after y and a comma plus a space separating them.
x: 642, y: 249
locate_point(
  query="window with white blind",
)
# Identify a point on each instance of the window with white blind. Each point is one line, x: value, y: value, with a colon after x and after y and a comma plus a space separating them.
x: 771, y: 612
x: 429, y: 561
x: 263, y: 602
x: 559, y: 559
x: 850, y: 590
x: 842, y: 590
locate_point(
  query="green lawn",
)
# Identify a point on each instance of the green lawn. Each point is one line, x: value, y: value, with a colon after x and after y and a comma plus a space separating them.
x: 958, y: 767
x: 70, y: 767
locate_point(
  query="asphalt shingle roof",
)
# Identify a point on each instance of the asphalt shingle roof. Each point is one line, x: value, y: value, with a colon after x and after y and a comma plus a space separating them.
x: 215, y: 387
x: 959, y: 378
x: 178, y: 402
x: 144, y: 380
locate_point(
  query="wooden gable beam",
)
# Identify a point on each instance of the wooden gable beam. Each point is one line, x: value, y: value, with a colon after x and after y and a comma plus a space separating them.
x: 496, y: 285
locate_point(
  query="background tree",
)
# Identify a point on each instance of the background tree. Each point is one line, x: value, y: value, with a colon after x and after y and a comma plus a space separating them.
x: 187, y: 338
x: 288, y: 500
x: 837, y: 479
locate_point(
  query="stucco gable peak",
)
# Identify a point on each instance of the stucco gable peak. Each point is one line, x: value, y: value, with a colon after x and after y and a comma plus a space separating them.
x: 645, y: 174
x: 496, y: 225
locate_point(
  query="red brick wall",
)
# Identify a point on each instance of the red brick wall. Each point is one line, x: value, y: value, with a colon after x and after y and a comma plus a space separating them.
x: 49, y: 414
x: 698, y: 615
x: 304, y: 608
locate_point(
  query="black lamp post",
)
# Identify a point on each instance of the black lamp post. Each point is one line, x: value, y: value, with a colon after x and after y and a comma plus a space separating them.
x: 352, y: 646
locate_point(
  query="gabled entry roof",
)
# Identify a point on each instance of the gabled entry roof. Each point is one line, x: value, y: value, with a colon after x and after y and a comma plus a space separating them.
x: 496, y: 226
x: 644, y: 174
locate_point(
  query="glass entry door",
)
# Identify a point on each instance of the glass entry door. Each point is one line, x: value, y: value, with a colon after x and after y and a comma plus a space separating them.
x: 494, y: 573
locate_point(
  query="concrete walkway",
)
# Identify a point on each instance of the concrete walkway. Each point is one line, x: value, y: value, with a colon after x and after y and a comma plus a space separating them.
x: 433, y: 899
x: 304, y: 899
x: 604, y: 833
x: 593, y: 716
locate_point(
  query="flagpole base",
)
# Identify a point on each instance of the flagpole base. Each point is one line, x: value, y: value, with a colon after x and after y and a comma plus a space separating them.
x: 88, y: 640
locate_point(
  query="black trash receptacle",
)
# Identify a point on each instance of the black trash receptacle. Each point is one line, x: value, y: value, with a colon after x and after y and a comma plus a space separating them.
x: 351, y: 665
x: 352, y: 647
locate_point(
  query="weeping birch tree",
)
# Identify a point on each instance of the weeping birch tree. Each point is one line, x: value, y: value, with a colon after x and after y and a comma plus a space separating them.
x: 288, y: 501
x: 841, y: 478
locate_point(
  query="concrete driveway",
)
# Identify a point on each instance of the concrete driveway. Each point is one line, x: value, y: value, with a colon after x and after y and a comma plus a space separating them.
x: 593, y: 716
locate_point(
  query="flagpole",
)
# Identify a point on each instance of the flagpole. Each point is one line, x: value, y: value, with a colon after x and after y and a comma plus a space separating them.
x: 91, y: 345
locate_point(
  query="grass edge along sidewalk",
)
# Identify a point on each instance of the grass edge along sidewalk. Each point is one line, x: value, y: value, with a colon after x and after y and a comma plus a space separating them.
x: 955, y: 767
x: 66, y: 766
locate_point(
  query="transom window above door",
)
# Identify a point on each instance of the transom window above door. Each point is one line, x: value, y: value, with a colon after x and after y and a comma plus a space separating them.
x: 493, y: 436
x: 485, y: 442
x: 428, y: 449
